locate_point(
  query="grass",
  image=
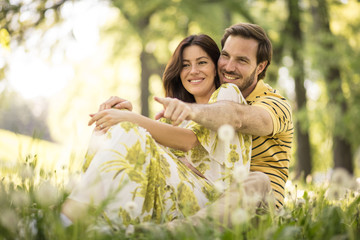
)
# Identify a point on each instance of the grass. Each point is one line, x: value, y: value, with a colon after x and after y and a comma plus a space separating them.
x: 31, y: 194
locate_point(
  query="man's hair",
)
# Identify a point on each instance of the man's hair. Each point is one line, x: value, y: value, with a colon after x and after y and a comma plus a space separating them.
x: 252, y: 31
x: 171, y: 77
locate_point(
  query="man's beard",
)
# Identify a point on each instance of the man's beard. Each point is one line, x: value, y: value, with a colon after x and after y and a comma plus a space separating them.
x: 247, y: 82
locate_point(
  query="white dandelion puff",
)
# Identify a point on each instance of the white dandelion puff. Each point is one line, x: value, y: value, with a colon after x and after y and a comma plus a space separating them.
x: 26, y: 172
x: 20, y: 199
x: 239, y: 216
x: 240, y: 173
x: 130, y: 230
x: 47, y: 194
x: 131, y: 208
x: 9, y: 219
x: 219, y: 186
x: 335, y: 192
x: 226, y: 133
x: 341, y: 177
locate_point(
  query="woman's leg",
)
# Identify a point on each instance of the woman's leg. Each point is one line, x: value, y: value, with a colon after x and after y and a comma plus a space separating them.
x: 139, y: 178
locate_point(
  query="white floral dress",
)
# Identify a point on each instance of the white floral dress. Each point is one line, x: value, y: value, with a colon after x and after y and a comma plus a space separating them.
x: 140, y: 180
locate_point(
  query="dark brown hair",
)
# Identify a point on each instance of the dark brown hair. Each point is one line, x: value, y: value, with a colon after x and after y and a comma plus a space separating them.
x: 252, y: 31
x: 171, y: 78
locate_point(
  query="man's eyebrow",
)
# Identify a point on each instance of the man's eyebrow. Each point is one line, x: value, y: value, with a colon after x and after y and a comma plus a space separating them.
x: 243, y: 58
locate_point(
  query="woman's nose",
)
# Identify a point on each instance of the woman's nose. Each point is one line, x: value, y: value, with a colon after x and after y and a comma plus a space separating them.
x: 194, y: 69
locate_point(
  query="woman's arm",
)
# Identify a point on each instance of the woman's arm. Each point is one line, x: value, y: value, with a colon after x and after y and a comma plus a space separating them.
x: 165, y: 134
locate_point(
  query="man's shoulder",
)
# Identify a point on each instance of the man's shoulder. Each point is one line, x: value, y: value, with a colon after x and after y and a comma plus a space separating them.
x: 263, y: 92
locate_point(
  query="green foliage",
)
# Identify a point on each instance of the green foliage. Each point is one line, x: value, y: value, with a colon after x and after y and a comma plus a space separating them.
x: 31, y: 198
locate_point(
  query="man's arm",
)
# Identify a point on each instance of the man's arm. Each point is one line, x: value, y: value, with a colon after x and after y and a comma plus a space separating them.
x: 247, y: 119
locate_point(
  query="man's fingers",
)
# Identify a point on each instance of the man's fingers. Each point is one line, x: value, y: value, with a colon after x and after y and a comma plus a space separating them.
x: 163, y: 101
x: 181, y: 118
x: 159, y: 115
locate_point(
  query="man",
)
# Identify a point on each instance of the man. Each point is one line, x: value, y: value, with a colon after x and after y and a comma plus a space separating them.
x: 246, y: 54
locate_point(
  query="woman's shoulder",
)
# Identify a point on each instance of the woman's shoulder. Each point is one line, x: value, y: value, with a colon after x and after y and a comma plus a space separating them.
x: 227, y: 91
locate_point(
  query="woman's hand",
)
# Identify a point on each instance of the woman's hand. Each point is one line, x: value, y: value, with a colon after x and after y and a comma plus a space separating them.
x: 174, y: 109
x: 116, y: 102
x: 108, y: 118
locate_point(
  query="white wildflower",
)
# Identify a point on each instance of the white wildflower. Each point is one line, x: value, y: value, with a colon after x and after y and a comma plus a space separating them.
x: 47, y: 194
x: 300, y: 193
x: 130, y: 230
x: 240, y: 173
x: 9, y: 219
x: 226, y: 133
x: 131, y: 208
x: 341, y: 177
x: 300, y: 202
x: 20, y: 199
x: 239, y: 216
x: 335, y: 192
x: 219, y: 186
x: 26, y: 172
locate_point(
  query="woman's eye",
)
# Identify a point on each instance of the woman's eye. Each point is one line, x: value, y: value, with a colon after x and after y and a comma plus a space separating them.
x: 202, y: 62
x: 185, y: 65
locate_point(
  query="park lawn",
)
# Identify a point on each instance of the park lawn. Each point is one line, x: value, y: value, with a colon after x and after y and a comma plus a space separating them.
x: 32, y: 191
x: 14, y: 148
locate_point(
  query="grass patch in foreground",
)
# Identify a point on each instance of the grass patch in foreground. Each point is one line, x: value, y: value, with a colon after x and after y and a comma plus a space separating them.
x: 31, y: 198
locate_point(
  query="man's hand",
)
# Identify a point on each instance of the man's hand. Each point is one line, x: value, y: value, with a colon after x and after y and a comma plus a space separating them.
x: 107, y: 118
x: 174, y: 109
x: 116, y: 102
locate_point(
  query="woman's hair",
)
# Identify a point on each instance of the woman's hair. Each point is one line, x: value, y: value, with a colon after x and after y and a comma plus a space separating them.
x: 252, y: 31
x: 171, y: 78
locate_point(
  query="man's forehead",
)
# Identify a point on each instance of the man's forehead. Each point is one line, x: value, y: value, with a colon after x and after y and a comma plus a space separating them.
x: 240, y: 45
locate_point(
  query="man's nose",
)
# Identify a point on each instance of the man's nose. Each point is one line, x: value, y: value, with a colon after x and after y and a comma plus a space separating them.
x: 230, y: 66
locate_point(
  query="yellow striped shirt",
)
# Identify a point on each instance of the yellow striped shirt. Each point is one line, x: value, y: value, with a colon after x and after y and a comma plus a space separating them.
x: 271, y: 154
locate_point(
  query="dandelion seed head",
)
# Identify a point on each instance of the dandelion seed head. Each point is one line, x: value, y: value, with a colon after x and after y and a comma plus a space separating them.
x: 219, y: 186
x: 341, y: 177
x: 335, y: 192
x: 47, y: 194
x: 300, y: 202
x: 26, y: 172
x: 9, y: 219
x: 131, y: 206
x: 240, y: 173
x: 226, y: 133
x: 20, y: 199
x: 130, y: 230
x: 239, y: 216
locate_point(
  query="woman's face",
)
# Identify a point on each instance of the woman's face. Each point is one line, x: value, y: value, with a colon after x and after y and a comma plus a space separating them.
x: 198, y: 73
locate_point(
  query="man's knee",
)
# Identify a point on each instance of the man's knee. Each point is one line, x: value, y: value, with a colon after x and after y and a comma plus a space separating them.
x: 257, y: 189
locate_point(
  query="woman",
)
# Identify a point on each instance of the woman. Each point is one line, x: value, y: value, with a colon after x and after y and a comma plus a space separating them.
x: 136, y: 166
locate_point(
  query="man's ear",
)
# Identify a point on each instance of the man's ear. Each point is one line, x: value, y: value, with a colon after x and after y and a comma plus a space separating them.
x: 261, y: 67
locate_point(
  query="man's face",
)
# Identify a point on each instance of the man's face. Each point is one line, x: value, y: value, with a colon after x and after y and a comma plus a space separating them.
x: 237, y: 63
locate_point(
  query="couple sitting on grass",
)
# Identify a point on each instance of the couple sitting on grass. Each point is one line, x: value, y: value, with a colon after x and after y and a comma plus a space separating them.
x: 183, y: 163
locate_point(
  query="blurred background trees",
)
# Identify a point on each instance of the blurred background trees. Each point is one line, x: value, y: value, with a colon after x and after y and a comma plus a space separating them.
x: 93, y: 49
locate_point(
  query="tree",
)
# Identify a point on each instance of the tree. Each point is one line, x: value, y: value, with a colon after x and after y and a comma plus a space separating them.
x: 342, y: 149
x: 296, y: 46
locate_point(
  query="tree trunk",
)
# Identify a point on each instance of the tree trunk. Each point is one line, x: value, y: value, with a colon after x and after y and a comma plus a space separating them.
x: 342, y: 152
x: 296, y: 45
x: 145, y: 75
